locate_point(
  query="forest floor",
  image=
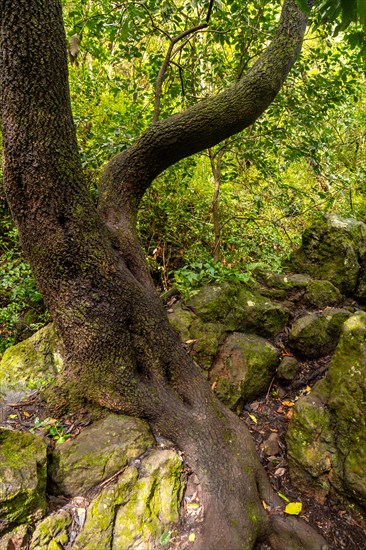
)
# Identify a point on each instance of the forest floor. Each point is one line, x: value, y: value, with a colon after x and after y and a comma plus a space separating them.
x: 267, y: 419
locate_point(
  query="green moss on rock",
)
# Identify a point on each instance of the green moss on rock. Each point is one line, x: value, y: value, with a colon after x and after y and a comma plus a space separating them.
x: 97, y: 533
x: 30, y: 364
x: 52, y: 532
x: 213, y: 302
x: 133, y: 513
x: 23, y: 472
x: 243, y: 369
x: 333, y: 249
x: 321, y: 294
x: 100, y: 451
x: 317, y: 334
x: 153, y: 507
x: 331, y: 421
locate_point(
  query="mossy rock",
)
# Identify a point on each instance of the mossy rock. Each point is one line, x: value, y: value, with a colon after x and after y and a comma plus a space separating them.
x: 321, y: 294
x: 206, y: 339
x: 181, y: 320
x: 52, y: 531
x: 327, y: 436
x: 100, y: 451
x: 243, y: 369
x: 23, y: 475
x: 134, y: 512
x: 288, y: 369
x: 333, y: 249
x: 254, y: 313
x: 317, y: 334
x: 16, y: 538
x: 287, y: 281
x: 213, y: 302
x: 30, y: 364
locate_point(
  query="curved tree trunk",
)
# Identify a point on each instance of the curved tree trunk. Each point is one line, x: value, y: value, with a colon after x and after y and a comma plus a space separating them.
x: 120, y: 351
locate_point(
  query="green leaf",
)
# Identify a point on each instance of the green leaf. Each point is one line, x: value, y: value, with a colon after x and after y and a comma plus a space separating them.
x: 293, y: 508
x: 303, y: 5
x: 165, y: 538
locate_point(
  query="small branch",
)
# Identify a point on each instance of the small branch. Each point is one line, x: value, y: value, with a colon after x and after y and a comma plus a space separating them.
x: 209, y: 11
x: 165, y: 65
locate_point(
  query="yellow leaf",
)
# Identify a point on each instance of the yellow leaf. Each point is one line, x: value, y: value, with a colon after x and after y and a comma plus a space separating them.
x: 283, y: 497
x: 264, y: 504
x: 192, y: 537
x: 252, y: 417
x: 293, y: 508
x: 288, y: 403
x: 26, y: 414
x: 190, y: 341
x: 308, y: 389
x: 13, y: 416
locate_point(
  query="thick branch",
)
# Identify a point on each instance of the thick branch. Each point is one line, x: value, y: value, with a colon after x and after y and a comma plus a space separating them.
x: 129, y: 174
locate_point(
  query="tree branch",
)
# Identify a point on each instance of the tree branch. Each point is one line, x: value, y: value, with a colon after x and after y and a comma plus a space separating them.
x: 130, y: 173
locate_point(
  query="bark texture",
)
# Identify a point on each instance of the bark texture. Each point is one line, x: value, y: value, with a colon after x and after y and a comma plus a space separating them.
x: 120, y: 351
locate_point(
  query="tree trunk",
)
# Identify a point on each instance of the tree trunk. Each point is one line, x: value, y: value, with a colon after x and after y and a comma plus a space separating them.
x: 120, y: 351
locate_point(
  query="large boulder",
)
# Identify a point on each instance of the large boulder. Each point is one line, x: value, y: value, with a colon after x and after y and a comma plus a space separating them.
x: 239, y: 309
x: 334, y: 249
x: 23, y: 475
x: 132, y: 511
x: 30, y: 364
x: 243, y: 368
x: 326, y: 439
x: 316, y: 334
x: 100, y: 451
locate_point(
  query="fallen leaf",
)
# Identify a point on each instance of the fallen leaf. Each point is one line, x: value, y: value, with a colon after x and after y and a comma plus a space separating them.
x: 293, y: 508
x: 165, y: 538
x: 26, y: 414
x: 287, y: 403
x: 308, y: 389
x: 192, y: 537
x: 213, y: 386
x: 252, y: 417
x: 289, y: 414
x: 283, y: 497
x: 190, y: 341
x: 11, y: 416
x: 280, y: 472
x: 264, y: 504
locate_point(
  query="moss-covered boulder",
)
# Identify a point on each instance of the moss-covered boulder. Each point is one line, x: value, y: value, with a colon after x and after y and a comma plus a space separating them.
x: 321, y: 294
x: 30, y: 364
x: 134, y: 512
x: 254, y: 313
x: 23, y: 474
x: 317, y: 334
x: 100, y: 451
x: 327, y: 436
x: 243, y: 369
x: 334, y: 249
x: 283, y: 286
x: 52, y: 532
x: 213, y: 302
x: 238, y: 309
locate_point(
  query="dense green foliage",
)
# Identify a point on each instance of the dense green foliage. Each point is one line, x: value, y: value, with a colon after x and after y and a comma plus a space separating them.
x: 305, y: 156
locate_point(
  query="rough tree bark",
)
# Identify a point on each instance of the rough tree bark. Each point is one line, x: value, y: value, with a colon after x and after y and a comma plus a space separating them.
x: 120, y: 351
